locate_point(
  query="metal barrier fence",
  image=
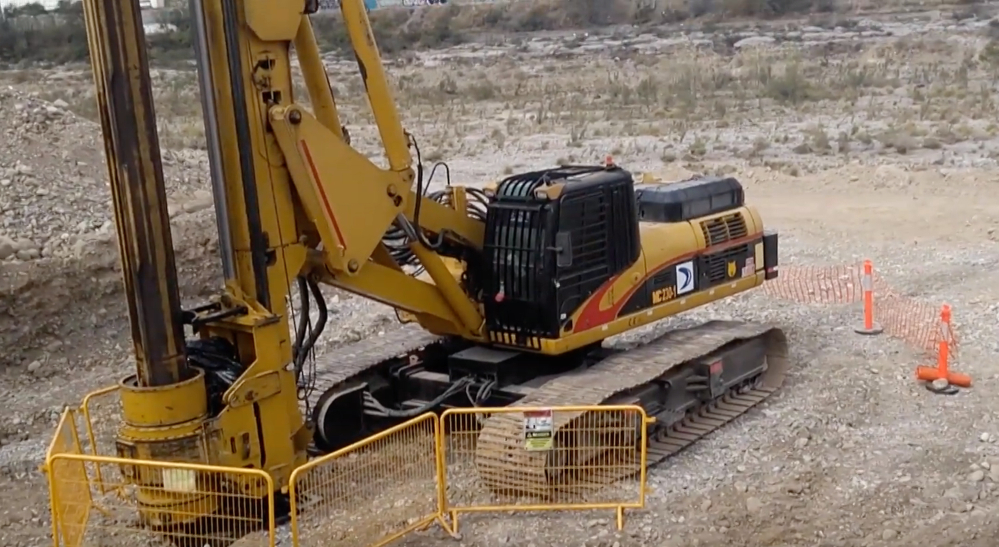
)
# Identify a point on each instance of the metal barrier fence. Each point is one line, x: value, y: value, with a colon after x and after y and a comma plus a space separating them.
x: 539, y: 459
x: 101, y: 411
x: 71, y: 510
x: 916, y: 323
x: 182, y: 504
x: 372, y: 492
x: 95, y: 501
x: 367, y: 494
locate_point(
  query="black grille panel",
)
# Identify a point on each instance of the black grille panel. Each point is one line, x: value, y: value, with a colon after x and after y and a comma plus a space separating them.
x: 519, y: 278
x: 715, y: 266
x: 515, y: 251
x: 546, y: 253
x: 586, y: 217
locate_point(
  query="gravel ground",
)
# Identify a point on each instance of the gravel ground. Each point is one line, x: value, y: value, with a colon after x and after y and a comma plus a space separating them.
x: 852, y: 451
x: 55, y: 190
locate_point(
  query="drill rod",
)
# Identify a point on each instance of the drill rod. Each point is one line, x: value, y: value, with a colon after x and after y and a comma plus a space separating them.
x: 121, y: 74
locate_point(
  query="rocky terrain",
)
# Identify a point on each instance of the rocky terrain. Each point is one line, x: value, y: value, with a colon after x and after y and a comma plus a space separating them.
x: 857, y: 138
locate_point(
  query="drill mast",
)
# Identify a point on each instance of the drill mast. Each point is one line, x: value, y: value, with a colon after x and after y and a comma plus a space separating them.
x: 295, y: 205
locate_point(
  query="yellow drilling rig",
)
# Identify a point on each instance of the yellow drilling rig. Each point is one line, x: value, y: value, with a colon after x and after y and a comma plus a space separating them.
x: 515, y: 284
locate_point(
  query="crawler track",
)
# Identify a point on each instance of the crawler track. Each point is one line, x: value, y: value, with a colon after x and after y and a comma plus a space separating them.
x: 500, y: 458
x: 507, y: 468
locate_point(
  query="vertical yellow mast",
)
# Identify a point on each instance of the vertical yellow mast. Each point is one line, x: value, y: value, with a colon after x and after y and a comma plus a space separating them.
x: 169, y: 414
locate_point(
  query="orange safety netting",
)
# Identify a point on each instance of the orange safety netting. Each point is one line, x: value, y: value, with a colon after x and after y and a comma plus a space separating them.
x: 917, y: 323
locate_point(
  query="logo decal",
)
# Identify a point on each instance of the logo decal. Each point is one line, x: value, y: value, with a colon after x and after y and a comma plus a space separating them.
x: 684, y: 277
x: 731, y: 269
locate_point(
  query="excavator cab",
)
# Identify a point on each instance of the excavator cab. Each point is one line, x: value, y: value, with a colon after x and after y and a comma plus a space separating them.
x: 553, y: 237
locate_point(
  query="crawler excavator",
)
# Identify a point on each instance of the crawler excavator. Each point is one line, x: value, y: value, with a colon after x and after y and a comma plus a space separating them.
x: 511, y: 289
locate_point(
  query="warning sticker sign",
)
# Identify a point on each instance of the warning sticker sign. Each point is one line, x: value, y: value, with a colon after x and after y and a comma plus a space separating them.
x: 539, y: 430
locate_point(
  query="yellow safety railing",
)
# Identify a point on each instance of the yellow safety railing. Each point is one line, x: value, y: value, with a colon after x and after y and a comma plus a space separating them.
x: 540, y: 459
x: 367, y: 494
x: 73, y: 507
x: 372, y: 492
x: 179, y: 503
x: 101, y: 419
x: 97, y: 499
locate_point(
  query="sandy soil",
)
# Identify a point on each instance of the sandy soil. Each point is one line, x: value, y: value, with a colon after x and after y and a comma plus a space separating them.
x: 864, y: 139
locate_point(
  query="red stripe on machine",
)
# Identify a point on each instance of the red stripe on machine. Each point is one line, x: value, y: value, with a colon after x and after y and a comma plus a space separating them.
x: 322, y: 194
x: 592, y: 316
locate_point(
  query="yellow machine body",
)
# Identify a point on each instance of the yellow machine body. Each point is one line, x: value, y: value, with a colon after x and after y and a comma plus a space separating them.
x: 301, y: 205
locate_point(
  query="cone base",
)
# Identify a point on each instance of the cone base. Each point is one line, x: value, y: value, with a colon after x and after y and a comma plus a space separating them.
x: 875, y: 329
x: 928, y: 374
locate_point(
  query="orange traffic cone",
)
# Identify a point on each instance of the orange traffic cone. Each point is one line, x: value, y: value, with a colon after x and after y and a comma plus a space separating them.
x: 942, y: 370
x: 867, y: 284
